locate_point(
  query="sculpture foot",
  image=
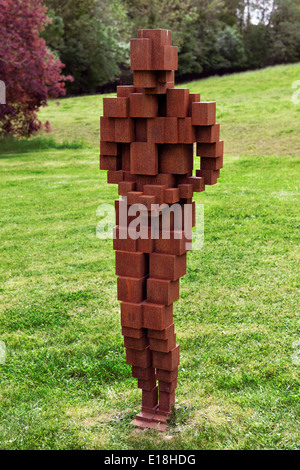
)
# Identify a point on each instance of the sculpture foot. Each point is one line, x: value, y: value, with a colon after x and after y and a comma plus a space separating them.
x: 152, y: 419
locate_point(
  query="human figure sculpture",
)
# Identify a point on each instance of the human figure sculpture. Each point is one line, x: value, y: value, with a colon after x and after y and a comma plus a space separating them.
x: 147, y: 137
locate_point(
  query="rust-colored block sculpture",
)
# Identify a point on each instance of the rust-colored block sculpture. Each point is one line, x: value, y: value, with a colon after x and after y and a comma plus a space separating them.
x: 147, y: 137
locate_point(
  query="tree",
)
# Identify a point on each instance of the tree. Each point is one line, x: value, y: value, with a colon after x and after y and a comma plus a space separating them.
x: 30, y: 72
x: 90, y: 37
x: 285, y: 31
x: 257, y: 44
x: 230, y: 48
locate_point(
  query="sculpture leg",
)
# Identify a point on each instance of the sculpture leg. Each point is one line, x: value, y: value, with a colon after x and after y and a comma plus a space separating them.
x: 165, y: 358
x: 165, y: 269
x: 148, y: 284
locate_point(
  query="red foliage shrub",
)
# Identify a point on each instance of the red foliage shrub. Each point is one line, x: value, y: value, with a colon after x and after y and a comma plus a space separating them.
x: 31, y: 73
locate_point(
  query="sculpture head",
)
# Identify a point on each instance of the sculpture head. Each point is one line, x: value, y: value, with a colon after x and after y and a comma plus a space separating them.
x: 153, y: 60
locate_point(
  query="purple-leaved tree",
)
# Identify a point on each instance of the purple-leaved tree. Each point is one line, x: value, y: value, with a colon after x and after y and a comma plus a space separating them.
x: 31, y: 73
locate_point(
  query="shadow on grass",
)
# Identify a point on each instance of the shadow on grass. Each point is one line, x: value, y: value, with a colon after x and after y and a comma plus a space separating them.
x: 10, y: 145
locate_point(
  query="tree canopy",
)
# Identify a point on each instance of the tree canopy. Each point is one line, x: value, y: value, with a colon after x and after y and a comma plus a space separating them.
x: 213, y: 36
x: 91, y: 39
x: 31, y: 73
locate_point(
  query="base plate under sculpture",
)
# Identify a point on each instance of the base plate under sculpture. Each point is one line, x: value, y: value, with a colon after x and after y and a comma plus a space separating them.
x: 152, y: 419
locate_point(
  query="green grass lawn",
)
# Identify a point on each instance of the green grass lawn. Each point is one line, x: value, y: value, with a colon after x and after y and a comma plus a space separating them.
x: 65, y: 383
